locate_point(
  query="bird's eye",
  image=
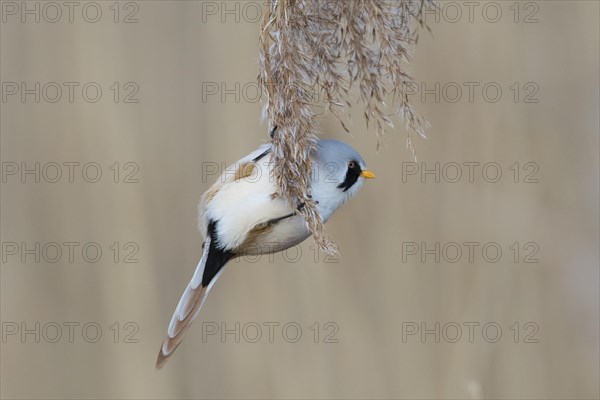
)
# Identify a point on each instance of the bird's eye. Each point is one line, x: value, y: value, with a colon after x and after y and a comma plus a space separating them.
x: 351, y: 165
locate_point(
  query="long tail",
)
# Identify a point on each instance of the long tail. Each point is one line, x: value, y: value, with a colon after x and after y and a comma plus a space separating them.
x: 207, y: 272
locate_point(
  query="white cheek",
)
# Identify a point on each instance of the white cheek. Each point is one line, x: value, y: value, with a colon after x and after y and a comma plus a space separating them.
x: 354, y: 189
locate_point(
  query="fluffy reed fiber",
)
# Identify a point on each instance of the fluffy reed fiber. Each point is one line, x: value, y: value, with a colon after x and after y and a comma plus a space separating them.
x: 332, y: 45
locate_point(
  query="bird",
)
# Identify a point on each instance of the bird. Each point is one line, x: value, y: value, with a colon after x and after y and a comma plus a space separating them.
x: 241, y: 214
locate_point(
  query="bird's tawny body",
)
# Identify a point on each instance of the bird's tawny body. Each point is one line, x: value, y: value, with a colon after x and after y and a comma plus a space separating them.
x: 245, y: 203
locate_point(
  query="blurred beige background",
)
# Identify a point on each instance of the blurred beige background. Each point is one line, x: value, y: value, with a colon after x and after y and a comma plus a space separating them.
x: 172, y: 56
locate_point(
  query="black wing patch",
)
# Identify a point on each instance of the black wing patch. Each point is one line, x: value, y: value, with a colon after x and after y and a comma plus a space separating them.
x: 276, y: 220
x: 216, y: 257
x: 261, y: 155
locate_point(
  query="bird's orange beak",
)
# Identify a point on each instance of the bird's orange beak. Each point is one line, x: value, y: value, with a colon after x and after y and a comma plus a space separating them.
x: 367, y: 174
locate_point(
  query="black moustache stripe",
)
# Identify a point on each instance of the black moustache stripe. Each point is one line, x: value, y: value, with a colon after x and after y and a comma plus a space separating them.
x: 352, y: 176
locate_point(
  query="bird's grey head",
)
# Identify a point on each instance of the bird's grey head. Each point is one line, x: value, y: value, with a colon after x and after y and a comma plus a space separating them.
x: 338, y: 173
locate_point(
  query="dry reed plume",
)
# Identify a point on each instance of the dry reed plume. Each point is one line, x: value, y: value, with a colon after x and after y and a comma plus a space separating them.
x: 332, y: 45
